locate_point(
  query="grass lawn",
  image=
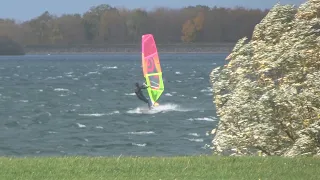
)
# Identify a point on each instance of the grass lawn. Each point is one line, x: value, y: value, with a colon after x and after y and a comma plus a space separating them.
x: 189, y: 167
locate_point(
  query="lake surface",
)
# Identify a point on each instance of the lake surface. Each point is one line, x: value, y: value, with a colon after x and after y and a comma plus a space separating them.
x: 56, y: 105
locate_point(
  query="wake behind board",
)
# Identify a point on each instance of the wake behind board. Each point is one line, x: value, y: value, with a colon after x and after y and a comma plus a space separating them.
x: 151, y: 111
x: 151, y: 69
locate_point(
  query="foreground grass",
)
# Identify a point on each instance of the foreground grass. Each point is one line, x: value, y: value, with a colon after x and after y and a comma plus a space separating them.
x: 194, y: 167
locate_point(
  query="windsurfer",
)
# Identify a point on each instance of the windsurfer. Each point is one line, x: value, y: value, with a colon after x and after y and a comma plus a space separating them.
x: 140, y: 94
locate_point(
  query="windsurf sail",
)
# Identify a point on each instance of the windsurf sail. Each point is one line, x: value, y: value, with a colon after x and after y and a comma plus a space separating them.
x: 151, y: 68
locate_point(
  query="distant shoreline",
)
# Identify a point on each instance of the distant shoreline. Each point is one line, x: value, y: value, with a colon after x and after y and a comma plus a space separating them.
x: 130, y: 48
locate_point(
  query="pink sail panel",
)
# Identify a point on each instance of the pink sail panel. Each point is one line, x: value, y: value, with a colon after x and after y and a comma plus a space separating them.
x: 150, y: 58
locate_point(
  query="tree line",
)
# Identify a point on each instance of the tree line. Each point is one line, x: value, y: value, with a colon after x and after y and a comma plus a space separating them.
x: 105, y: 24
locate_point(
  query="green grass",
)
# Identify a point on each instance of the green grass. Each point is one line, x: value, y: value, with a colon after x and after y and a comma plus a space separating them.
x: 194, y: 167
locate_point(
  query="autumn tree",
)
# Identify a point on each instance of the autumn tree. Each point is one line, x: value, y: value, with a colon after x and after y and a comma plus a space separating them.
x: 106, y: 24
x: 9, y: 28
x: 42, y: 28
x: 192, y: 28
x: 94, y: 30
x: 71, y: 29
x: 137, y: 24
x: 113, y: 26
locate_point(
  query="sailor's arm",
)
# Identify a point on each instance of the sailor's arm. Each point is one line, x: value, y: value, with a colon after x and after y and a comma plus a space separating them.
x: 144, y: 86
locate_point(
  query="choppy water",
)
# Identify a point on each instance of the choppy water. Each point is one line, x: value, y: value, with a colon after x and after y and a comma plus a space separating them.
x: 85, y: 105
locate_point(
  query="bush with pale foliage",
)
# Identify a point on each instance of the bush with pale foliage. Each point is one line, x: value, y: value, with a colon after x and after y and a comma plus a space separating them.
x: 268, y: 95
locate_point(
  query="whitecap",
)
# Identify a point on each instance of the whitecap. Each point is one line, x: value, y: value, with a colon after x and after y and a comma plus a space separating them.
x: 208, y: 89
x: 178, y: 72
x: 89, y: 73
x: 196, y: 140
x: 93, y: 115
x: 99, y: 114
x: 200, y: 78
x: 110, y: 67
x: 140, y: 145
x: 81, y: 125
x: 49, y: 114
x: 194, y: 134
x: 50, y: 78
x: 61, y: 89
x: 211, y: 119
x: 114, y: 112
x: 168, y: 94
x: 130, y: 94
x: 141, y: 132
x: 99, y: 127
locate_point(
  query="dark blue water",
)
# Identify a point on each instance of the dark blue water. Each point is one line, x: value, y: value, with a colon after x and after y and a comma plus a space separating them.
x: 85, y: 105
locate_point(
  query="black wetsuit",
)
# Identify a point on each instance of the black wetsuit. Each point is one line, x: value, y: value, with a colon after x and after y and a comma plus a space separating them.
x: 140, y: 94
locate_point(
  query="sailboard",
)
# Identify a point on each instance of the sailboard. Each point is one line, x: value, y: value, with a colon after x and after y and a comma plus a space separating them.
x: 151, y: 68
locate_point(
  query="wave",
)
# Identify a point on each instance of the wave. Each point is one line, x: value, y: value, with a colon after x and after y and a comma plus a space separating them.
x: 93, y: 115
x: 140, y: 145
x: 211, y: 119
x: 61, y: 89
x: 81, y: 125
x: 99, y: 114
x: 141, y: 132
x: 208, y: 89
x: 94, y: 72
x: 194, y: 134
x: 53, y: 78
x: 110, y: 67
x: 195, y: 140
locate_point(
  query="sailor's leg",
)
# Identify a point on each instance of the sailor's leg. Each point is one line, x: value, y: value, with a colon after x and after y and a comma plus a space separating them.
x: 149, y: 104
x: 143, y: 98
x: 140, y: 97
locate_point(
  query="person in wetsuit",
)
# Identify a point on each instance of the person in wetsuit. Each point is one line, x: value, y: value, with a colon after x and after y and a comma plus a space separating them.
x: 140, y: 94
